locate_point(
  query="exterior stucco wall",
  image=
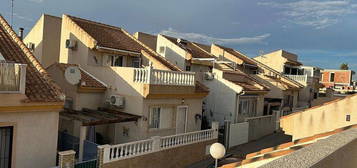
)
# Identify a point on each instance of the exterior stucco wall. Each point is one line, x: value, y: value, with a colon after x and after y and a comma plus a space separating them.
x: 35, y: 36
x: 173, y: 53
x: 320, y: 119
x: 220, y: 104
x: 46, y: 35
x: 35, y: 138
x: 80, y: 100
x: 274, y: 60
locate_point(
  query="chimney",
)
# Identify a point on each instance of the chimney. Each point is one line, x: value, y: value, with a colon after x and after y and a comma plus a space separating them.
x: 21, y: 33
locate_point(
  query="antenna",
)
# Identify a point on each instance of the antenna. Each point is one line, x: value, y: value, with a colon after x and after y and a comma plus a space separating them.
x: 261, y: 53
x: 12, y: 12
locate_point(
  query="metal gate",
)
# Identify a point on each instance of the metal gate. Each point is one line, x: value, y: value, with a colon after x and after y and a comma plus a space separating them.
x: 86, y: 164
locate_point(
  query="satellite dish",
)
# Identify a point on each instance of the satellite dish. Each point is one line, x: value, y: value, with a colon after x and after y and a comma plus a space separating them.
x: 73, y: 75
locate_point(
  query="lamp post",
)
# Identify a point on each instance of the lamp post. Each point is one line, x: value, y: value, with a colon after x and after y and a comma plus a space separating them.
x: 217, y: 151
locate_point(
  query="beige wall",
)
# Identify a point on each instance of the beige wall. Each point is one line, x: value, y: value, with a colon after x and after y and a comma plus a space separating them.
x: 140, y: 130
x: 35, y: 137
x: 320, y: 119
x: 80, y: 100
x: 120, y: 81
x: 173, y: 53
x: 46, y: 35
x: 273, y: 60
x: 178, y: 157
x: 35, y: 36
x: 147, y: 39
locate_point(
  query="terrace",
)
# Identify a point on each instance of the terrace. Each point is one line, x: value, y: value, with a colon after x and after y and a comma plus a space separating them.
x: 12, y: 78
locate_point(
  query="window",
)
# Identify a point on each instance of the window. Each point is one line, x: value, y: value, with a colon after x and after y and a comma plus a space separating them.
x: 116, y: 60
x: 248, y: 106
x: 288, y: 101
x: 6, y: 134
x: 161, y: 117
x: 136, y: 62
x: 162, y: 50
x: 188, y: 68
x: 332, y: 77
x: 154, y: 121
x: 287, y: 70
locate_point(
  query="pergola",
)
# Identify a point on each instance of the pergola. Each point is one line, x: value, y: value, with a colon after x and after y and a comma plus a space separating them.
x: 90, y: 117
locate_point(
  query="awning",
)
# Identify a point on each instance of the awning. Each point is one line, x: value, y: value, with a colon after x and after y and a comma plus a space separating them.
x: 90, y: 117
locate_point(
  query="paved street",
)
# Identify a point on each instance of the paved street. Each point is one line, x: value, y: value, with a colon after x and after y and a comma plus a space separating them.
x: 240, y: 151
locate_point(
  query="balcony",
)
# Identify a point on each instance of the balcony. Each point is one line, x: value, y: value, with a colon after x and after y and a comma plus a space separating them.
x: 303, y: 79
x: 162, y: 77
x: 12, y: 78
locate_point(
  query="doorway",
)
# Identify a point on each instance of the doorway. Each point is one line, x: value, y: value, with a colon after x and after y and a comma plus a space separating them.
x: 181, y: 119
x: 6, y: 138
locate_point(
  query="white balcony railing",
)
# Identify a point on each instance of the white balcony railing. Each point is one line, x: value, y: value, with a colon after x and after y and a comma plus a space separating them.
x: 12, y: 78
x: 133, y: 149
x: 162, y: 77
x: 303, y: 79
x: 184, y: 139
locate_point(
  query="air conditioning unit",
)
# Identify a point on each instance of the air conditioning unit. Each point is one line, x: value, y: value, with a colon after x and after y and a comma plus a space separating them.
x: 71, y: 44
x: 182, y: 41
x: 31, y: 46
x: 209, y: 76
x: 117, y: 100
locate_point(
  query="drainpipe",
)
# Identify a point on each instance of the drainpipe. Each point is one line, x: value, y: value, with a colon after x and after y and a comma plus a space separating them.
x: 237, y: 104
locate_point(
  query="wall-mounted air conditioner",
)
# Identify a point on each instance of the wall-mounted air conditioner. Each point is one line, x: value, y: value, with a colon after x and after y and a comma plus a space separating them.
x: 209, y: 76
x: 31, y: 46
x: 71, y: 44
x: 117, y: 100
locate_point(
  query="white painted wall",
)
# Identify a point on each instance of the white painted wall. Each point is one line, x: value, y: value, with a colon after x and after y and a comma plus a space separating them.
x: 238, y: 133
x: 173, y: 53
x: 221, y: 100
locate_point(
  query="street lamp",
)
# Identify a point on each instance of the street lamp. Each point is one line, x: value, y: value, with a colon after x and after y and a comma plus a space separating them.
x: 217, y: 151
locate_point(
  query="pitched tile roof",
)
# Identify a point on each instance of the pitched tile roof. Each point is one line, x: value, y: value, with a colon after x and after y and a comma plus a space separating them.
x: 195, y: 49
x: 249, y: 83
x: 88, y: 79
x: 237, y: 54
x: 117, y: 38
x: 39, y: 86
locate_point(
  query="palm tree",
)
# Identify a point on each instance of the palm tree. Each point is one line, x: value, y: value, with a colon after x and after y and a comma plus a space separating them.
x: 344, y: 66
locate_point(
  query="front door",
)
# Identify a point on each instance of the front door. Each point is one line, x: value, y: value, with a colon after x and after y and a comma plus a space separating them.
x: 181, y: 119
x: 6, y: 134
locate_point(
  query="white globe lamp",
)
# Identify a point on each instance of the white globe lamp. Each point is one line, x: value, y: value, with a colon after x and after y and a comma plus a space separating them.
x: 217, y: 151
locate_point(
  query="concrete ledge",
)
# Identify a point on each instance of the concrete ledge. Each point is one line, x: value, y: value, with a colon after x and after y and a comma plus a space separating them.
x: 339, y: 150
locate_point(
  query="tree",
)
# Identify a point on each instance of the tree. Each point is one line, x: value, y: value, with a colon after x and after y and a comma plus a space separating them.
x: 344, y: 66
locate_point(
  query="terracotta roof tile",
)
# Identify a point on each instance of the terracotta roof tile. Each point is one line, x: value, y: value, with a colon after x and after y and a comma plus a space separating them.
x: 250, y: 84
x: 244, y: 58
x: 39, y: 86
x: 117, y: 38
x: 89, y: 80
x: 193, y: 48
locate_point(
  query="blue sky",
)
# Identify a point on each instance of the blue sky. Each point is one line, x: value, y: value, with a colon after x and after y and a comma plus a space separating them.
x: 321, y: 32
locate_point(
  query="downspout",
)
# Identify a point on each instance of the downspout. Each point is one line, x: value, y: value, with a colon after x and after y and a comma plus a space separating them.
x: 237, y: 105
